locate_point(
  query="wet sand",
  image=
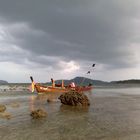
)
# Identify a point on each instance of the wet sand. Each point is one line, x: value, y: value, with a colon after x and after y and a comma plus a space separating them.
x: 113, y: 115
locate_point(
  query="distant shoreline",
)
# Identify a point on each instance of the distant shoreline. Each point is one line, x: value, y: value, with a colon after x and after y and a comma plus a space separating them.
x: 83, y: 81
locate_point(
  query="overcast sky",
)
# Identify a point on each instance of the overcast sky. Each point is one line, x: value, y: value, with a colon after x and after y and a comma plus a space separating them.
x: 63, y: 38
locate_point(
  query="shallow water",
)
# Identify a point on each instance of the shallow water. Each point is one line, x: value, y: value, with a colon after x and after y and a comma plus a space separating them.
x: 113, y: 115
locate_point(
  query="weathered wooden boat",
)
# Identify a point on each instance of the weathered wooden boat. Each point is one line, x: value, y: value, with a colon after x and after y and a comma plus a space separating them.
x: 57, y: 88
x: 84, y: 88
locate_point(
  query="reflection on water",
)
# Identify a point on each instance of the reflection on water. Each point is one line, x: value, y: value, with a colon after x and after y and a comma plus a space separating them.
x: 112, y: 114
x: 64, y: 108
x: 32, y: 103
x: 40, y: 101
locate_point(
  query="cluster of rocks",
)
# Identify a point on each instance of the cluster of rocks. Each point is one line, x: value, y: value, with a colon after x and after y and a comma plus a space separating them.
x: 36, y: 114
x: 39, y: 113
x: 74, y: 98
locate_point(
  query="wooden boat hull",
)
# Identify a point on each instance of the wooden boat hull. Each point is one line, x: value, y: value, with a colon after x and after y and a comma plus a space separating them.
x: 47, y: 89
x: 84, y: 88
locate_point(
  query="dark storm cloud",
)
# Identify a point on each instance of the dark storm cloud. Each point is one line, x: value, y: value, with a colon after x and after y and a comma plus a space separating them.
x: 91, y: 30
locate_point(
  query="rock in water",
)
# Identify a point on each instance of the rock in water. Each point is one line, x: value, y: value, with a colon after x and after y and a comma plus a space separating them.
x: 15, y: 105
x: 5, y: 115
x: 74, y: 98
x: 2, y: 108
x: 39, y: 113
x: 51, y: 100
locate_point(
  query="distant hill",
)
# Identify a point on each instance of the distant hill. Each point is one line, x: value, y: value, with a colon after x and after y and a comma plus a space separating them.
x: 3, y: 82
x: 81, y: 81
x: 131, y: 81
x: 86, y: 81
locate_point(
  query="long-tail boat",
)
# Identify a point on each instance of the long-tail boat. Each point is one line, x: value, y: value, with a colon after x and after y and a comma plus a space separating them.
x: 58, y: 88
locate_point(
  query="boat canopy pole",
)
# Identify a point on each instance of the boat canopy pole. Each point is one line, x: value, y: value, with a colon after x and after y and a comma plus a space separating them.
x: 31, y: 78
x: 62, y: 84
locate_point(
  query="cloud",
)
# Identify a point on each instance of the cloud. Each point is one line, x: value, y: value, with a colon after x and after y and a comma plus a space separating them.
x: 68, y: 67
x: 46, y: 34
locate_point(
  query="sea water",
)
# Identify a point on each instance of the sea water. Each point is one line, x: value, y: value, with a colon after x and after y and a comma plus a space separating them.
x: 113, y: 114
